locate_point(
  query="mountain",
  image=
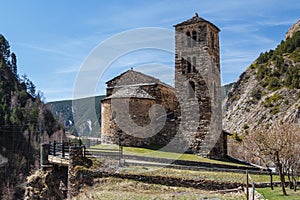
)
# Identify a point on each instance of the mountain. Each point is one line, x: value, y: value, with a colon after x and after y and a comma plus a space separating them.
x: 81, y: 117
x: 268, y: 91
x: 24, y: 122
x: 225, y: 89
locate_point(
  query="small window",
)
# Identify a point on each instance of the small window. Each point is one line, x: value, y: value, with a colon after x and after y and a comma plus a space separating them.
x: 191, y: 87
x: 194, y: 64
x: 183, y: 64
x: 189, y: 65
x: 188, y: 39
x: 194, y: 40
x: 212, y: 40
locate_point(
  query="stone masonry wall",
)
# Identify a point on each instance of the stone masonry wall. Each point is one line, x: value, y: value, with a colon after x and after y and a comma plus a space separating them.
x: 136, y: 118
x: 201, y: 49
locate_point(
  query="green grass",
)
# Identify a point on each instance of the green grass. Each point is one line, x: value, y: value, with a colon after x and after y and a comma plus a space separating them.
x: 163, y: 154
x: 276, y: 194
x: 197, y: 175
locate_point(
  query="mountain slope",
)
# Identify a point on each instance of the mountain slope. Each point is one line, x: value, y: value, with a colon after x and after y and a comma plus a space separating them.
x: 268, y: 91
x: 80, y: 117
x: 23, y: 118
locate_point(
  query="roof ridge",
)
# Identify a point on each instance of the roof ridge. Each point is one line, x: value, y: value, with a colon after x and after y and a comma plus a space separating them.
x: 195, y: 19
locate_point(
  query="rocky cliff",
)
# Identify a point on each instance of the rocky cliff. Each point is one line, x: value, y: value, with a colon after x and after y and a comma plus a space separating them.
x: 268, y: 90
x: 293, y: 29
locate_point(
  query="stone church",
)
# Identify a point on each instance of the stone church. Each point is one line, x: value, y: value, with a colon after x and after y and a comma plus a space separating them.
x: 140, y: 110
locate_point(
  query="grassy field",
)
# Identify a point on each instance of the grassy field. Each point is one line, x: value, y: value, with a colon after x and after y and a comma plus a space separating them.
x: 163, y: 154
x: 197, y: 175
x: 276, y: 194
x: 114, y: 188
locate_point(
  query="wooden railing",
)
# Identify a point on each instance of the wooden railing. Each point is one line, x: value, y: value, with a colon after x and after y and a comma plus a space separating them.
x: 61, y: 150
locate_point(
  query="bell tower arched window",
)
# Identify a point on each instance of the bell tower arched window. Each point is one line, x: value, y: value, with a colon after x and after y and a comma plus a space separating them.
x: 194, y: 64
x: 183, y: 64
x: 189, y: 65
x: 191, y: 89
x: 188, y: 39
x: 212, y: 38
x: 194, y: 38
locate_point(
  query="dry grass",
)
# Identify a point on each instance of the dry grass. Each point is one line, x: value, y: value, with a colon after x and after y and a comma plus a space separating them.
x: 114, y: 188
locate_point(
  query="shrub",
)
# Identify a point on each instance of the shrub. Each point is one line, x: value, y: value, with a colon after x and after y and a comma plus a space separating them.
x: 236, y: 137
x: 256, y: 94
x: 245, y: 126
x: 270, y: 101
x: 274, y: 110
x: 273, y: 83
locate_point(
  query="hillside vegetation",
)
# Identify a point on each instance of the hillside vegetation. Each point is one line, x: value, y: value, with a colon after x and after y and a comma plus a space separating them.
x: 23, y: 119
x: 267, y: 92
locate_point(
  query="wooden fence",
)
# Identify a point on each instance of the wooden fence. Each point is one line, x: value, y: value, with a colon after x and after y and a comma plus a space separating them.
x: 62, y: 150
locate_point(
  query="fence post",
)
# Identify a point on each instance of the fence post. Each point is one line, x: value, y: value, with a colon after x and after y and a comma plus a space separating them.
x: 84, y: 150
x: 63, y: 149
x: 253, y: 189
x: 44, y: 154
x: 54, y: 147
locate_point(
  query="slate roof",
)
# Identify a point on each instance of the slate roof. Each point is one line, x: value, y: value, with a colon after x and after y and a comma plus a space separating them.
x: 195, y: 19
x: 135, y: 78
x: 130, y: 92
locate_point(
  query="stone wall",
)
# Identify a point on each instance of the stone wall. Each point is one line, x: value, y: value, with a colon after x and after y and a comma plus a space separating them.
x: 75, y: 179
x: 131, y: 117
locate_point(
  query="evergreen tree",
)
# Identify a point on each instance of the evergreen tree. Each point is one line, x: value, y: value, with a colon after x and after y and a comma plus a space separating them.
x: 4, y: 50
x: 14, y: 64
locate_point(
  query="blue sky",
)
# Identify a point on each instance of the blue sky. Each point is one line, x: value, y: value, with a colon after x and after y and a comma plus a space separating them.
x: 53, y: 38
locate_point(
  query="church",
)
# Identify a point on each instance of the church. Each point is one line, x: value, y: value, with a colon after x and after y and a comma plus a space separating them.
x: 140, y: 110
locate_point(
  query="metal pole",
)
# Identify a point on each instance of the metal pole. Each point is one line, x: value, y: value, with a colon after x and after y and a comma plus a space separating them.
x: 253, y: 189
x: 247, y: 186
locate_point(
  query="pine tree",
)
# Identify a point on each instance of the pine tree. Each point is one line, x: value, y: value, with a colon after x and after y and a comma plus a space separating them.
x: 14, y: 64
x: 4, y: 50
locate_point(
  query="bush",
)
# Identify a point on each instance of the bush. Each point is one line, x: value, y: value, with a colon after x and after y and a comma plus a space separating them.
x: 236, y: 137
x: 256, y: 94
x: 274, y: 110
x: 270, y: 101
x: 245, y: 126
x: 273, y: 83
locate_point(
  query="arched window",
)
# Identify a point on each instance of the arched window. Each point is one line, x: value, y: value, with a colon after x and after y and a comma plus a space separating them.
x: 194, y: 64
x: 189, y: 65
x: 183, y: 64
x: 215, y: 92
x: 212, y: 38
x: 191, y: 89
x: 188, y: 39
x: 194, y: 39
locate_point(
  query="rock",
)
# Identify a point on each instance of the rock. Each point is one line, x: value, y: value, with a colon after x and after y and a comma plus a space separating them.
x: 293, y: 29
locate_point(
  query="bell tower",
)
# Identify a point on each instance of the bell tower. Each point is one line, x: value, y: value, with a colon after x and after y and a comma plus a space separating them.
x: 197, y: 85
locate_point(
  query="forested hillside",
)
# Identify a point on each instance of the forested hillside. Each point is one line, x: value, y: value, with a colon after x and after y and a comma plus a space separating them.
x: 24, y: 123
x: 266, y: 93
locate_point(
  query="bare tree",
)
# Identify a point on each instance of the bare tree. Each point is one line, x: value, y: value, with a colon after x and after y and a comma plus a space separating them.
x: 278, y: 145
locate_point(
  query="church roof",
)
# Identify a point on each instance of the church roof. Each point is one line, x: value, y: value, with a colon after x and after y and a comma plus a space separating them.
x: 134, y: 78
x: 195, y: 19
x: 130, y: 92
